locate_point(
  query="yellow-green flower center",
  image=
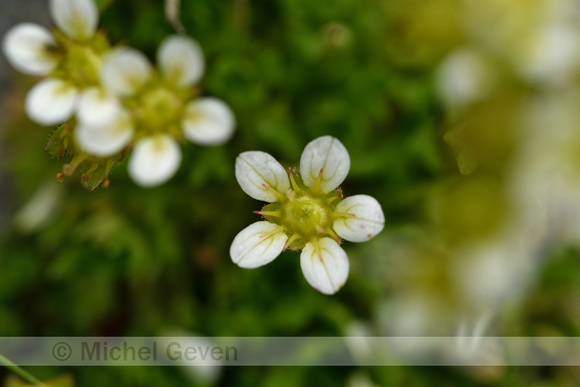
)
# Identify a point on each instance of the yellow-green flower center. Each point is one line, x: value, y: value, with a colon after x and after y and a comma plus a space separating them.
x: 304, y: 214
x: 158, y: 110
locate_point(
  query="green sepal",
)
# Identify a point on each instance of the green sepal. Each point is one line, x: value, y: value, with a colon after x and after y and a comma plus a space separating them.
x: 272, y: 207
x: 336, y: 193
x: 57, y: 145
x: 94, y: 173
x: 298, y: 244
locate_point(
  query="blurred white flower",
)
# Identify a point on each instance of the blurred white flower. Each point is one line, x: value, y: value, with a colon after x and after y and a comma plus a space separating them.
x: 67, y: 60
x: 538, y: 38
x: 303, y: 213
x: 40, y: 208
x: 552, y: 55
x: 464, y: 76
x: 155, y: 111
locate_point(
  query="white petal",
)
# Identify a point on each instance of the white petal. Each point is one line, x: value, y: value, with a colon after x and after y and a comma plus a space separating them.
x: 105, y: 140
x: 325, y: 266
x: 328, y: 155
x: 51, y: 101
x: 76, y: 18
x: 254, y: 247
x: 155, y: 160
x: 181, y: 60
x: 97, y: 107
x: 27, y: 48
x: 125, y: 71
x: 368, y: 219
x: 258, y: 173
x: 208, y: 121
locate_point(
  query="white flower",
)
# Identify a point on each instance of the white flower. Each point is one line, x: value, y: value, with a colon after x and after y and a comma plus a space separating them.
x: 465, y: 76
x: 160, y: 110
x: 76, y: 18
x: 303, y: 213
x: 154, y: 160
x: 34, y: 50
x: 27, y: 48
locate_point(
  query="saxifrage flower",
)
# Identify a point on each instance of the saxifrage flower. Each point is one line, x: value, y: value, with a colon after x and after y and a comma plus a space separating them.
x: 306, y: 211
x: 157, y: 108
x: 68, y: 57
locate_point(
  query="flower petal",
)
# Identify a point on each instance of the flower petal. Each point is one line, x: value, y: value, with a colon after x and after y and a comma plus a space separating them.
x: 257, y: 245
x: 258, y: 173
x: 51, y: 101
x: 97, y: 107
x: 105, y: 140
x: 155, y: 160
x: 325, y: 265
x: 325, y: 156
x: 181, y: 60
x: 27, y: 47
x: 208, y: 121
x: 76, y: 18
x: 368, y: 219
x: 125, y: 71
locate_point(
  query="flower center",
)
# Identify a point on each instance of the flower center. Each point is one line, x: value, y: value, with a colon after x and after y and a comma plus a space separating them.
x: 158, y: 109
x: 82, y: 66
x: 304, y: 214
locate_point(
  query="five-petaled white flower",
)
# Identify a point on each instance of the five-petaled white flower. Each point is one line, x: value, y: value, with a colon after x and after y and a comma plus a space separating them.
x: 69, y: 58
x: 306, y: 211
x: 156, y: 109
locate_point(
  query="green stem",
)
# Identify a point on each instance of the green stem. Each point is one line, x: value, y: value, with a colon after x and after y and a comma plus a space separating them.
x: 19, y: 371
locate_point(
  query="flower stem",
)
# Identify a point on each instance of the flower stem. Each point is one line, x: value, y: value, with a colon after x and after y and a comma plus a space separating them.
x: 19, y: 371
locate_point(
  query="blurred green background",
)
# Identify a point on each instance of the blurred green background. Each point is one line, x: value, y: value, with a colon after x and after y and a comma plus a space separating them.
x: 127, y: 261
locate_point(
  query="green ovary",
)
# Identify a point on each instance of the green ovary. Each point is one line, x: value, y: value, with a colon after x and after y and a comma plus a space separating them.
x: 305, y: 215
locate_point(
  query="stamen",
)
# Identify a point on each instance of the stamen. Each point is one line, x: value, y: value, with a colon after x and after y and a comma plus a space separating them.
x: 333, y: 198
x: 293, y: 182
x: 268, y: 213
x: 60, y: 177
x: 291, y: 240
x: 318, y: 180
x: 314, y: 241
x: 336, y: 215
x: 274, y: 231
x: 278, y: 194
x: 333, y: 235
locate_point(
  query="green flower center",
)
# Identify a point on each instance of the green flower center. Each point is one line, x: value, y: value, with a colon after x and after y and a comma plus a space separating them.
x: 304, y: 214
x: 81, y: 65
x: 158, y: 110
